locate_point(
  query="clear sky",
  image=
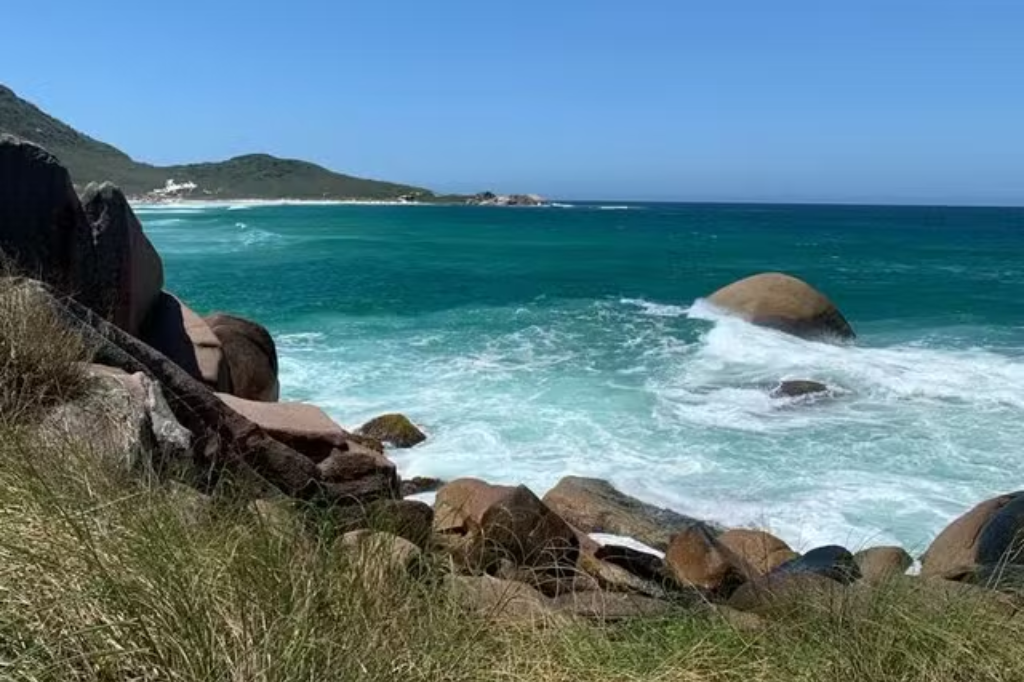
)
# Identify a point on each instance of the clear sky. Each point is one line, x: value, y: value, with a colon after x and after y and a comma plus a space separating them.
x: 758, y: 100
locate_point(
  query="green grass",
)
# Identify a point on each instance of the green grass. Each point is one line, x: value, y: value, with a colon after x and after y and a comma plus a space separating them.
x: 106, y: 577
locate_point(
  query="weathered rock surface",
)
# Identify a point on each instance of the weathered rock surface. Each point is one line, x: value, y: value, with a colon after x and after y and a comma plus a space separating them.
x: 696, y: 558
x: 760, y: 550
x: 42, y: 225
x: 832, y: 561
x: 380, y: 558
x: 123, y: 416
x: 799, y: 388
x: 612, y: 606
x: 127, y: 266
x: 595, y: 506
x: 300, y: 426
x: 954, y: 552
x: 879, y: 564
x: 785, y: 303
x: 342, y: 460
x: 501, y: 600
x: 222, y: 438
x: 420, y: 484
x: 507, y: 522
x: 1001, y: 542
x: 181, y: 335
x: 790, y: 594
x: 250, y: 354
x: 395, y: 429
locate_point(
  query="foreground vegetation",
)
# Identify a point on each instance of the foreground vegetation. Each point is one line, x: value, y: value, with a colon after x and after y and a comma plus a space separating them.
x: 107, y: 576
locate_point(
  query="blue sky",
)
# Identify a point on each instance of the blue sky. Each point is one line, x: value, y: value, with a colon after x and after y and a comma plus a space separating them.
x: 917, y: 101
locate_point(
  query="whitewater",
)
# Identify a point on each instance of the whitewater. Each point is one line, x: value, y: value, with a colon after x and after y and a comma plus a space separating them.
x: 537, y: 344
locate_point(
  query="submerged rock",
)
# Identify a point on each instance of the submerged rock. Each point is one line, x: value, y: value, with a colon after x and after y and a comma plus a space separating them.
x: 395, y: 429
x: 785, y: 303
x: 799, y: 388
x: 595, y: 506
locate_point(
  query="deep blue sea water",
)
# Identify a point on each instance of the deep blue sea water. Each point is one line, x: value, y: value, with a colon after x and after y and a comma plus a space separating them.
x: 535, y: 343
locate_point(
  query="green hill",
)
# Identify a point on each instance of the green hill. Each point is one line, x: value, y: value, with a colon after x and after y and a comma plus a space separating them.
x: 253, y: 176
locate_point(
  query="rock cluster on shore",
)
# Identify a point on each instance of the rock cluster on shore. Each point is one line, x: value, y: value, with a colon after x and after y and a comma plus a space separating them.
x: 191, y: 398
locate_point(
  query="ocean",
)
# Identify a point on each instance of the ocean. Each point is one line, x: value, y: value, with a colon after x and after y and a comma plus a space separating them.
x: 536, y: 343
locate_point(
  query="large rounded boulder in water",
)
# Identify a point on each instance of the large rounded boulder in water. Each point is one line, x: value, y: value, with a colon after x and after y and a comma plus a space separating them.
x: 783, y: 302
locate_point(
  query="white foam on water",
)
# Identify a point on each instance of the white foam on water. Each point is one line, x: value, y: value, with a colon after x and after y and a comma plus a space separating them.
x: 672, y: 404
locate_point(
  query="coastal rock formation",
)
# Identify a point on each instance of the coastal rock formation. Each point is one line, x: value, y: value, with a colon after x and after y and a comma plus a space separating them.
x: 420, y: 484
x: 505, y: 522
x: 492, y: 199
x: 955, y: 552
x: 595, y: 506
x: 124, y: 416
x: 180, y: 334
x: 696, y: 558
x: 395, y: 429
x: 784, y: 303
x: 127, y: 266
x: 250, y: 354
x: 790, y: 594
x: 43, y: 228
x: 760, y: 550
x: 879, y: 564
x: 799, y: 388
x: 832, y: 562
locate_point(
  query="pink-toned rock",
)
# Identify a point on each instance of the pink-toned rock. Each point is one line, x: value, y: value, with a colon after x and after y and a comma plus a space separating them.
x: 180, y: 334
x: 696, y: 558
x: 783, y: 302
x: 507, y: 522
x: 251, y: 355
x: 954, y: 551
x: 344, y: 463
x: 760, y: 550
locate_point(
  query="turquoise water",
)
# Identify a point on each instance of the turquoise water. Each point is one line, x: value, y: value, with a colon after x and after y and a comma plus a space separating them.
x: 535, y: 343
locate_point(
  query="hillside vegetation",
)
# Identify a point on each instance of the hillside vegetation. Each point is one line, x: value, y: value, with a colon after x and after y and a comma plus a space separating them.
x: 253, y: 176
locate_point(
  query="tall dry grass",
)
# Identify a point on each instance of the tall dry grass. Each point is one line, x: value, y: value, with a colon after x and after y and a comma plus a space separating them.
x: 106, y: 577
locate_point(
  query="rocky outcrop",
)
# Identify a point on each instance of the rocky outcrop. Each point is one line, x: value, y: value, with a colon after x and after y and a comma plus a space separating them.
x: 250, y: 354
x: 785, y: 303
x: 393, y: 429
x: 124, y: 417
x: 595, y: 506
x: 760, y: 550
x: 418, y: 485
x: 832, y: 562
x: 505, y: 522
x: 696, y: 558
x: 799, y: 388
x: 955, y: 552
x: 182, y: 335
x: 127, y: 267
x: 880, y: 564
x: 43, y: 228
x: 492, y: 199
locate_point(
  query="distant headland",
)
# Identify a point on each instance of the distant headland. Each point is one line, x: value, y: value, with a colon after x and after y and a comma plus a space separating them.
x: 251, y: 176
